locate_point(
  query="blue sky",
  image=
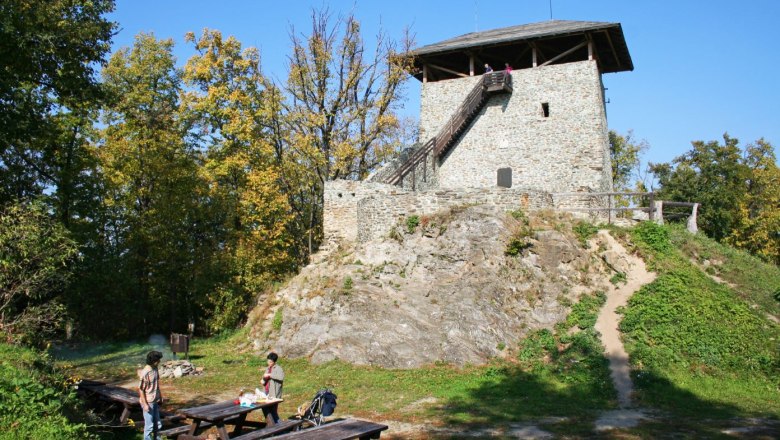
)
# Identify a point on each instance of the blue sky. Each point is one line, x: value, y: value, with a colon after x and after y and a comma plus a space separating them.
x: 701, y: 67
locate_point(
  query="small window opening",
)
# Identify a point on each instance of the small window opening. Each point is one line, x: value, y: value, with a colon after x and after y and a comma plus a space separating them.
x: 546, y: 109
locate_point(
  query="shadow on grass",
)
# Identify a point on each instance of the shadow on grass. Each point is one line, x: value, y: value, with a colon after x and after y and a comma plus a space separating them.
x: 517, y: 400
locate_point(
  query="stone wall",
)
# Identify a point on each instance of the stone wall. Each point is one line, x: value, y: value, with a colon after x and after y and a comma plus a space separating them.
x: 567, y: 151
x: 340, y: 206
x: 362, y: 211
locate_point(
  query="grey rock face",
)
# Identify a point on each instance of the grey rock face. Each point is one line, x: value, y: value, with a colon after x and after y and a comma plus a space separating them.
x: 446, y: 292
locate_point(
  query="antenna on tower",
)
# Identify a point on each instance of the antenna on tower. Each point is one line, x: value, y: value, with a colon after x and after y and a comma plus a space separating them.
x: 551, y: 10
x: 476, y: 15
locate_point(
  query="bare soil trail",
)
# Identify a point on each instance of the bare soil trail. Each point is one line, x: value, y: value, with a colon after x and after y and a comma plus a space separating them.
x: 607, y: 325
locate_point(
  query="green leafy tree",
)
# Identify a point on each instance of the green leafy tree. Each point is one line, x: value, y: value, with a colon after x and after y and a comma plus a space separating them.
x: 48, y: 54
x: 757, y: 226
x: 228, y: 103
x: 711, y: 174
x: 36, y: 256
x: 151, y: 186
x: 627, y: 176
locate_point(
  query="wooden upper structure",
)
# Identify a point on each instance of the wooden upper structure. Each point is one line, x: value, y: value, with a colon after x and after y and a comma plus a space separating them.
x: 524, y: 46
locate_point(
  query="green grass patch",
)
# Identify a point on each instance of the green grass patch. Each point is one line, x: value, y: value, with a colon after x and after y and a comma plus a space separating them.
x: 697, y: 347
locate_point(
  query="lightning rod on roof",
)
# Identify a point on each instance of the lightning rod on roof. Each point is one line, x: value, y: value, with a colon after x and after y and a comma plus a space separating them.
x: 550, y: 9
x: 476, y: 15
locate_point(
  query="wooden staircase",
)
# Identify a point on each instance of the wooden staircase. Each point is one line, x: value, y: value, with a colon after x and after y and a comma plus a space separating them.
x: 490, y: 84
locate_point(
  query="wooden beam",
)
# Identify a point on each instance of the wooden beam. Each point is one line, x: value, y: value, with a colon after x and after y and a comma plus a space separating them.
x: 533, y: 55
x: 590, y: 48
x: 471, y: 65
x: 425, y: 73
x: 444, y: 69
x: 558, y: 57
x: 612, y: 46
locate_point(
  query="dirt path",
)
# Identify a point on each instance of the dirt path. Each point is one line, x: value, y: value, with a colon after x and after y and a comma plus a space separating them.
x: 608, y: 319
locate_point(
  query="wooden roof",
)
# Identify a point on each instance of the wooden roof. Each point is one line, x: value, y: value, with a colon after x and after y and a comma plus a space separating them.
x: 551, y: 38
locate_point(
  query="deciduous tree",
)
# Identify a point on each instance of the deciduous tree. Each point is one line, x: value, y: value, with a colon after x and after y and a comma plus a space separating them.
x: 229, y: 105
x: 339, y: 119
x: 48, y: 54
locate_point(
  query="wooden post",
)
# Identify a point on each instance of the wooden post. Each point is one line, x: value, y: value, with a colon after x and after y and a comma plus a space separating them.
x: 652, y: 207
x: 425, y: 73
x: 609, y: 209
x: 471, y: 65
x: 590, y: 49
x: 533, y: 56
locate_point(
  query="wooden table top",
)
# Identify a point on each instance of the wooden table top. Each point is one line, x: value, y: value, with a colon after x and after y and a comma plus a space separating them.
x: 113, y: 392
x: 216, y: 412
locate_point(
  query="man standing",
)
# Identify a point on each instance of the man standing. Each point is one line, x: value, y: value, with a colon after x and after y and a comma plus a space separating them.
x: 273, y: 379
x: 150, y: 396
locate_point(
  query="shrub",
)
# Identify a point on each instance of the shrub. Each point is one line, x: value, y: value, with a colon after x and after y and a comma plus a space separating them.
x: 584, y: 231
x: 347, y: 286
x: 411, y: 223
x: 521, y: 237
x: 35, y: 265
x: 278, y: 320
x: 618, y: 278
x: 34, y: 398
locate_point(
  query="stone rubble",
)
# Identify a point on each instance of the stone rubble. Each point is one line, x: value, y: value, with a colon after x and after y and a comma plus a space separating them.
x: 178, y: 369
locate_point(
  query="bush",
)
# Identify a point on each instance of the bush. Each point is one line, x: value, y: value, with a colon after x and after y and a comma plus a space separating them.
x: 34, y: 398
x: 228, y: 308
x: 584, y: 231
x: 411, y: 223
x: 35, y: 258
x: 521, y: 236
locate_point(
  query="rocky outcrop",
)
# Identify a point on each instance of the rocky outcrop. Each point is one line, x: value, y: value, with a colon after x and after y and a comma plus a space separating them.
x: 441, y: 291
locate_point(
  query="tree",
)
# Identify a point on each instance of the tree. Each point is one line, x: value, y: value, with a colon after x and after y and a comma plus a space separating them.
x: 711, y: 174
x: 36, y: 255
x: 757, y: 226
x: 339, y: 119
x: 228, y: 104
x: 625, y: 154
x: 48, y: 53
x: 151, y: 186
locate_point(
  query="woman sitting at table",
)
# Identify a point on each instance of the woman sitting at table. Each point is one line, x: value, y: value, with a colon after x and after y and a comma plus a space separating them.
x: 273, y: 379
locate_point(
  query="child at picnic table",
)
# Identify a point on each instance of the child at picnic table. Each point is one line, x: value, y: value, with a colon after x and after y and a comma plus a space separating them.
x: 273, y: 379
x: 149, y: 395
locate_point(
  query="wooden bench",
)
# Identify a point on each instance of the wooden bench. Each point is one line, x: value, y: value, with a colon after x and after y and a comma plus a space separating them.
x: 348, y: 429
x: 279, y: 428
x: 282, y: 426
x: 113, y: 394
x: 176, y: 431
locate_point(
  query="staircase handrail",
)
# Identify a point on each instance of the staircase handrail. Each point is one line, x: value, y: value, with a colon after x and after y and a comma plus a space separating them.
x: 473, y: 101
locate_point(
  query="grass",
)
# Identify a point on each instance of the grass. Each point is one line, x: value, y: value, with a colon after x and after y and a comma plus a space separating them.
x: 701, y: 349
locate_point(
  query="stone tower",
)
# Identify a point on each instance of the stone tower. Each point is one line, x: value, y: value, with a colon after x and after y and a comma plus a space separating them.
x: 541, y: 127
x: 533, y: 138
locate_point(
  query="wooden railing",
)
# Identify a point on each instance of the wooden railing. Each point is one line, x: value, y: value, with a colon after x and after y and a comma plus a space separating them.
x: 655, y: 209
x: 490, y: 83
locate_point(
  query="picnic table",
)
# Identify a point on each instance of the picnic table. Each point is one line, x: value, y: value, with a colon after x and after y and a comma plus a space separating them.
x: 347, y: 429
x: 227, y: 412
x: 114, y: 394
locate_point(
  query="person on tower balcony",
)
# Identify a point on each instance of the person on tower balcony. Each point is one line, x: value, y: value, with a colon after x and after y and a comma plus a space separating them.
x: 488, y: 69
